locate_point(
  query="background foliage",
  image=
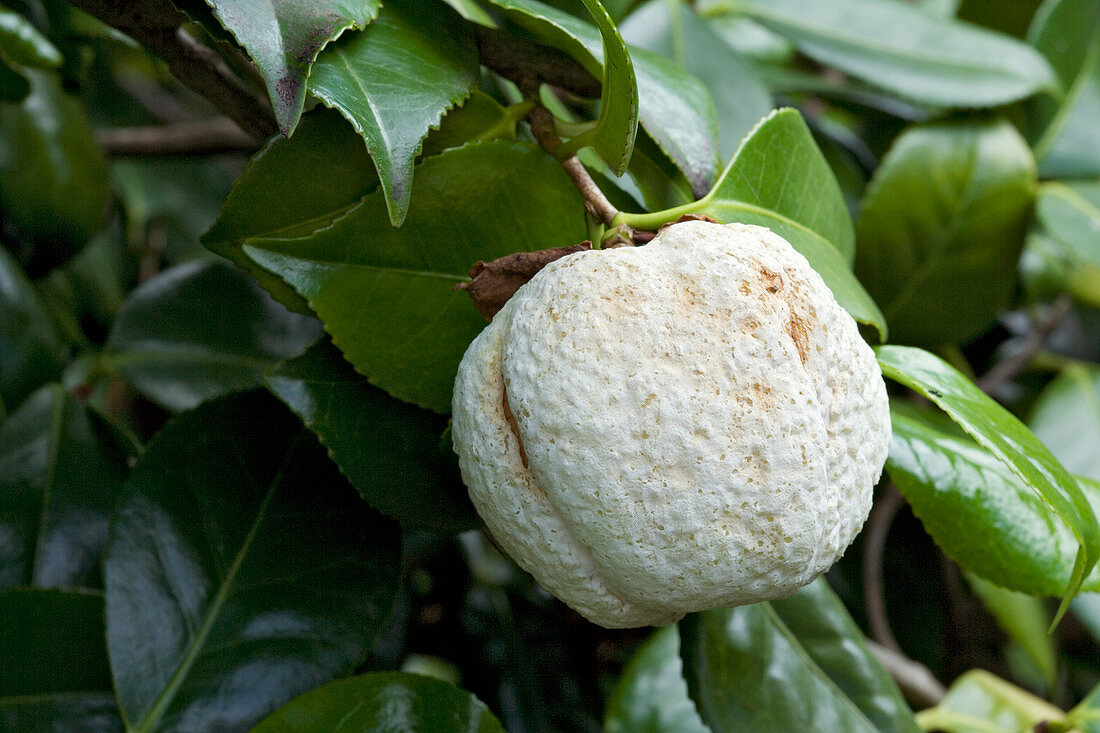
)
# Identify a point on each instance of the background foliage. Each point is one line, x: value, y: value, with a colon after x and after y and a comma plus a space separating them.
x: 229, y: 328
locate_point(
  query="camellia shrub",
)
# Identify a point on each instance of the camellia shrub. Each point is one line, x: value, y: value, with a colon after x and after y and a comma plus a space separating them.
x: 564, y: 365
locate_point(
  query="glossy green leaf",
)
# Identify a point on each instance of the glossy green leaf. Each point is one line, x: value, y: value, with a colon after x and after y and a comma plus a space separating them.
x: 779, y: 179
x: 320, y: 171
x: 51, y: 641
x: 53, y: 180
x: 387, y: 295
x: 979, y: 702
x: 284, y: 38
x: 241, y: 570
x: 979, y: 511
x: 1009, y: 440
x: 673, y: 106
x: 1065, y: 134
x: 793, y: 665
x: 740, y: 96
x: 1025, y: 620
x: 22, y: 43
x: 390, y: 450
x: 199, y: 330
x: 1066, y: 417
x: 942, y: 226
x: 1069, y: 213
x: 31, y: 352
x: 935, y: 60
x: 384, y: 701
x: 613, y: 136
x: 394, y: 81
x: 779, y: 176
x: 652, y: 695
x: 312, y: 178
x: 87, y: 712
x: 62, y: 466
x: 480, y: 119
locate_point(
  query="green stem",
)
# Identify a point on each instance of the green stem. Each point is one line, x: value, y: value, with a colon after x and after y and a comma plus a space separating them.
x: 657, y: 219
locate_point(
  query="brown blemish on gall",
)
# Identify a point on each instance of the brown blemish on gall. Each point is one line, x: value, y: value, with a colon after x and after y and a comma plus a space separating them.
x: 799, y: 332
x: 511, y: 420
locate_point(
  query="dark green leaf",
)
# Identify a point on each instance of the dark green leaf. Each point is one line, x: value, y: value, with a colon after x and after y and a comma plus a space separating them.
x: 740, y: 97
x: 31, y: 353
x: 1065, y: 134
x: 389, y: 450
x: 979, y: 702
x: 22, y: 43
x: 62, y: 467
x: 86, y: 712
x: 394, y: 81
x: 53, y: 181
x: 310, y: 179
x: 652, y: 695
x: 979, y: 511
x: 384, y: 701
x: 1070, y: 215
x: 1009, y: 440
x: 674, y: 107
x: 51, y: 641
x: 942, y: 226
x: 779, y: 179
x: 480, y: 118
x: 242, y: 570
x: 935, y: 60
x: 387, y: 295
x: 284, y: 38
x: 177, y: 200
x: 323, y: 169
x: 793, y: 665
x: 200, y: 330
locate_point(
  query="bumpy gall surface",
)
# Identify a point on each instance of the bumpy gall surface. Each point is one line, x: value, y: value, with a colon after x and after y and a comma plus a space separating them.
x: 691, y: 424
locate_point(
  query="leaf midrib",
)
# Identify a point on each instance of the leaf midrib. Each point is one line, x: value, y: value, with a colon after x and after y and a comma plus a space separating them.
x: 195, y: 647
x: 53, y: 453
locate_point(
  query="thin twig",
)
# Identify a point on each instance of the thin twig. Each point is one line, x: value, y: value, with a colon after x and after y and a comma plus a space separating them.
x: 521, y: 60
x: 874, y: 543
x: 917, y: 683
x: 203, y: 137
x: 156, y: 24
x: 1032, y: 344
x: 542, y: 126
